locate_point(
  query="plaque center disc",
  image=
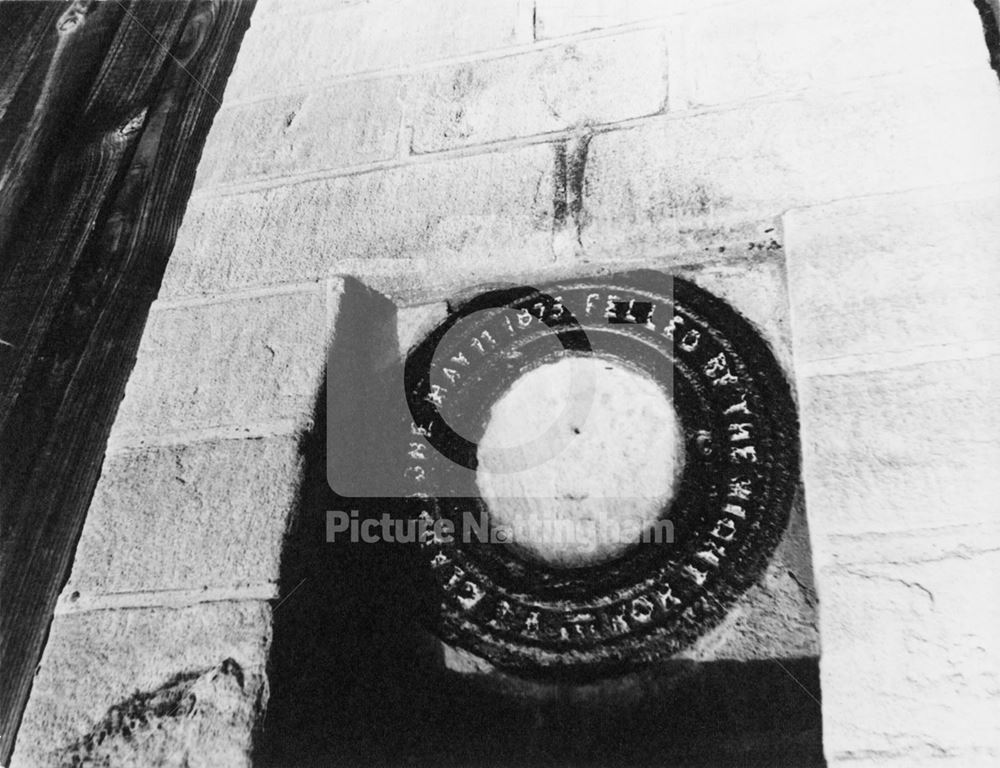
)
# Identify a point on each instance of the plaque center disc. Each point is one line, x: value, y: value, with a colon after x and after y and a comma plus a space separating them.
x: 578, y: 460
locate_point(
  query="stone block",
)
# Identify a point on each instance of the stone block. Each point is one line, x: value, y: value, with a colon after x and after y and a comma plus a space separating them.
x: 748, y: 50
x: 288, y: 46
x: 454, y: 222
x: 646, y: 187
x: 871, y: 279
x: 236, y: 363
x: 347, y: 124
x: 910, y: 447
x: 910, y: 653
x: 232, y: 498
x: 157, y: 686
x: 581, y: 83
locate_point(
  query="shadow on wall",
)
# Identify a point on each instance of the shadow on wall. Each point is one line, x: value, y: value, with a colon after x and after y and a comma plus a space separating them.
x: 357, y: 680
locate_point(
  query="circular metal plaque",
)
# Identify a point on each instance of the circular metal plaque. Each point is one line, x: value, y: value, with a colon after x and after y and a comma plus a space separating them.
x: 727, y: 512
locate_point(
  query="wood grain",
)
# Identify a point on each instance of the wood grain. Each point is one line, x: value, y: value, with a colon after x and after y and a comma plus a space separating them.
x: 88, y: 214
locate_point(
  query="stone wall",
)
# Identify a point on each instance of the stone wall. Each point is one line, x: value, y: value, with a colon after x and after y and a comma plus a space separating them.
x: 426, y: 147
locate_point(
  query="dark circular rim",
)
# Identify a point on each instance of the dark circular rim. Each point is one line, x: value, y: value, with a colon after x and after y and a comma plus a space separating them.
x: 739, y: 478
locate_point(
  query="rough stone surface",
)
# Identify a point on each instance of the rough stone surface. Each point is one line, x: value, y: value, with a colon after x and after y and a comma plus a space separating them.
x: 194, y: 721
x: 294, y: 44
x: 457, y: 222
x: 604, y: 80
x: 752, y: 49
x: 910, y: 653
x: 883, y: 275
x: 557, y: 18
x: 647, y: 185
x: 346, y: 124
x: 98, y: 662
x: 236, y: 494
x: 910, y: 447
x: 234, y: 363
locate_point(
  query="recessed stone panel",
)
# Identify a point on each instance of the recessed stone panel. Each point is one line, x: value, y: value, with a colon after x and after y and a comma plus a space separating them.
x: 511, y: 608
